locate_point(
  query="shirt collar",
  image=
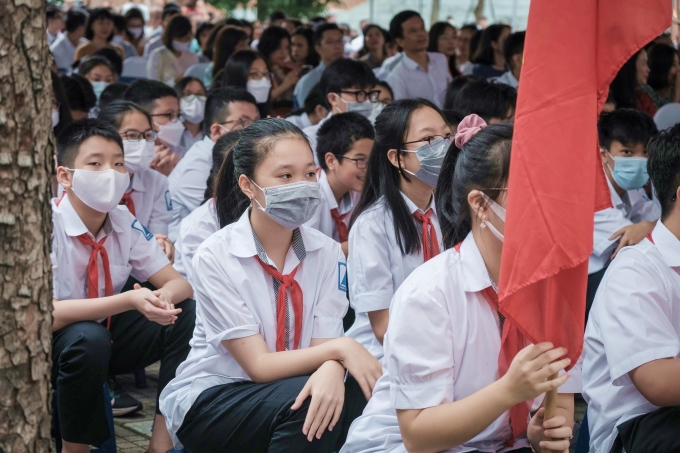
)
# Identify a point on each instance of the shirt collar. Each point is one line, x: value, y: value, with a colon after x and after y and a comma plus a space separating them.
x: 73, y: 224
x: 475, y: 275
x: 667, y: 244
x: 413, y: 208
x: 616, y: 198
x: 304, y: 119
x: 326, y: 190
x: 412, y: 65
x: 137, y: 183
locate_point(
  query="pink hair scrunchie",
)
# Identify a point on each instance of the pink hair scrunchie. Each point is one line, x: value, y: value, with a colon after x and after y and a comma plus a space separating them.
x: 468, y: 128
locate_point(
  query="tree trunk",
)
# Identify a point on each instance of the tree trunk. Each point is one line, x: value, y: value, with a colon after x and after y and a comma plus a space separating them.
x: 434, y: 17
x: 26, y: 149
x: 479, y: 10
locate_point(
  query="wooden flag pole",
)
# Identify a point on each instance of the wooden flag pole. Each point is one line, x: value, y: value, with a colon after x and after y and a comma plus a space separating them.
x: 550, y: 405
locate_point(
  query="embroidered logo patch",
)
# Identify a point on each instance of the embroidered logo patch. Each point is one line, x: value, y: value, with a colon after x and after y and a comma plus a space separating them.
x: 342, y: 276
x: 168, y: 200
x: 137, y: 225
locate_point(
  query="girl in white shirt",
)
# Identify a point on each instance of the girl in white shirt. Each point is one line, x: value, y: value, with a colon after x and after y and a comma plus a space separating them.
x: 394, y: 228
x: 267, y: 367
x: 452, y: 383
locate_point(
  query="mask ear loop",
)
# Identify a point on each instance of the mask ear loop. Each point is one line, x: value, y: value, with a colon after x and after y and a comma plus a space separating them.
x: 402, y: 171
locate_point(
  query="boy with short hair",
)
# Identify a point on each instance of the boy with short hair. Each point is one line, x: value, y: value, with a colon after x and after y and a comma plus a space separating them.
x: 513, y: 51
x: 632, y: 340
x: 96, y: 246
x: 623, y: 135
x: 493, y: 102
x: 344, y: 145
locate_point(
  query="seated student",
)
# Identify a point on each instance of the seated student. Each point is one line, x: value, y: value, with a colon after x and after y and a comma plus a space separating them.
x: 493, y: 102
x: 385, y: 97
x: 64, y: 47
x: 226, y: 110
x: 162, y: 103
x: 348, y: 86
x: 395, y: 227
x: 623, y: 134
x: 204, y: 220
x: 119, y: 30
x: 192, y: 95
x: 312, y: 112
x: 632, y: 340
x: 114, y: 59
x: 514, y: 57
x: 344, y: 144
x: 450, y: 383
x: 96, y: 329
x: 80, y: 95
x: 98, y: 71
x: 246, y: 385
x: 99, y: 33
x: 147, y: 197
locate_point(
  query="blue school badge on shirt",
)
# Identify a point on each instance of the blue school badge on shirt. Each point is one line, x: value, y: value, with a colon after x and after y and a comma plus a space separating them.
x: 342, y: 276
x: 137, y: 225
x: 168, y: 200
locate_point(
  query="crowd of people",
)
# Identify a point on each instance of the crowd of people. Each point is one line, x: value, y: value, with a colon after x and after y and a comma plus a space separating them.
x: 306, y: 228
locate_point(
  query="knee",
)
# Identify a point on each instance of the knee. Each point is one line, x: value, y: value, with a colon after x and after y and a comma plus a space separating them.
x: 88, y: 346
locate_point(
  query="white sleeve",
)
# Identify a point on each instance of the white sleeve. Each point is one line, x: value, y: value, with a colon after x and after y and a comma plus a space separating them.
x: 161, y: 213
x: 646, y: 209
x: 146, y: 256
x: 607, y: 222
x: 189, y: 193
x: 332, y: 304
x: 191, y: 239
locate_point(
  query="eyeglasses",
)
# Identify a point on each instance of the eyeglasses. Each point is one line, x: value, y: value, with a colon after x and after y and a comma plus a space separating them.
x: 363, y: 96
x: 172, y: 117
x: 258, y: 75
x: 361, y: 163
x: 191, y: 97
x: 136, y: 136
x: 243, y: 122
x: 431, y: 138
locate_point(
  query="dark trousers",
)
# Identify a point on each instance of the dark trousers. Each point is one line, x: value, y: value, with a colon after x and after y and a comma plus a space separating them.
x: 83, y: 353
x: 656, y: 432
x: 593, y: 283
x: 246, y: 416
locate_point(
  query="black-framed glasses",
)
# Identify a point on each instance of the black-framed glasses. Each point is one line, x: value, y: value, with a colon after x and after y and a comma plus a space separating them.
x: 363, y: 95
x: 431, y: 138
x: 136, y: 136
x: 361, y: 162
x: 243, y: 122
x: 172, y: 117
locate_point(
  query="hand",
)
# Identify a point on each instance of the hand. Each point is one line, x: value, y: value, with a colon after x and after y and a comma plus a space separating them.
x: 165, y: 160
x: 152, y: 307
x: 291, y: 78
x: 557, y: 435
x: 327, y: 389
x: 361, y: 364
x: 530, y: 370
x: 632, y: 234
x: 167, y: 246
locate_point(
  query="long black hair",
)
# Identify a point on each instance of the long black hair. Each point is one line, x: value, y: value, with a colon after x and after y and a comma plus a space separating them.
x: 64, y: 109
x: 220, y: 151
x: 485, y: 53
x: 661, y: 59
x: 436, y: 31
x: 307, y: 32
x: 482, y: 164
x: 383, y: 178
x: 623, y: 87
x: 115, y: 112
x: 246, y: 155
x: 236, y: 71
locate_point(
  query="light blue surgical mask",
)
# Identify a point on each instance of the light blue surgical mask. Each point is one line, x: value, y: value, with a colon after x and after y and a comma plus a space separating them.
x: 630, y: 173
x: 98, y: 88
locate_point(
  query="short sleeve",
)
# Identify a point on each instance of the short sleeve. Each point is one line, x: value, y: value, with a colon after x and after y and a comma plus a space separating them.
x: 607, y: 222
x: 419, y: 347
x: 634, y: 316
x: 161, y: 213
x: 332, y: 303
x: 146, y: 256
x: 225, y: 314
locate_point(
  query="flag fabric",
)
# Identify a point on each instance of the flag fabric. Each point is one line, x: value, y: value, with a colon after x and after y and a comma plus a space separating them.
x: 573, y: 51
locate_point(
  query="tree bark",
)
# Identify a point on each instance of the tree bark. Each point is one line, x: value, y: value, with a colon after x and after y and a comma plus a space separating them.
x: 26, y: 149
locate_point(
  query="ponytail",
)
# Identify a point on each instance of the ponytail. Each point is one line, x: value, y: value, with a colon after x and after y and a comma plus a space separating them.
x: 444, y: 199
x: 230, y: 202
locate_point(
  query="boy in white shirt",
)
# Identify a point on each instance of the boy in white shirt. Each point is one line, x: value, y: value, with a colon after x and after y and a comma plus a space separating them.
x: 632, y: 341
x: 623, y: 135
x: 96, y: 329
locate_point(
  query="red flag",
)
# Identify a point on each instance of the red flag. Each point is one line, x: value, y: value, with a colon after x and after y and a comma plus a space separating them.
x: 573, y: 51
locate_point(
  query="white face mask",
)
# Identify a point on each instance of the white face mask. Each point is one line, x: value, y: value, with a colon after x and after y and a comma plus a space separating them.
x: 138, y: 155
x: 193, y: 107
x: 290, y: 205
x: 55, y: 118
x: 363, y: 108
x: 136, y: 32
x: 181, y: 46
x: 500, y: 212
x: 171, y: 133
x: 259, y: 89
x: 100, y: 190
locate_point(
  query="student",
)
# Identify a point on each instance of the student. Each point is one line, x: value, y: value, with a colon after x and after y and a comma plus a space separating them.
x: 395, y: 227
x: 64, y: 46
x: 464, y: 50
x: 349, y: 86
x: 450, y: 383
x: 303, y: 56
x: 419, y: 74
x: 246, y: 383
x: 625, y: 88
x: 98, y: 71
x: 248, y: 69
x: 493, y: 102
x: 344, y: 144
x: 134, y: 29
x: 61, y: 115
x: 55, y: 23
x: 80, y: 95
x: 169, y: 11
x: 113, y: 92
x: 444, y: 39
x: 489, y: 59
x: 385, y: 97
x: 192, y: 96
x: 96, y: 329
x: 99, y: 33
x: 632, y: 341
x: 169, y: 62
x: 623, y: 135
x: 514, y: 58
x: 228, y: 40
x: 226, y: 110
x: 274, y: 45
x: 313, y: 111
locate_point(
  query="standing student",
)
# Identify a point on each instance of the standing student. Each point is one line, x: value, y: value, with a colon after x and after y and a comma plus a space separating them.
x: 395, y: 227
x: 169, y: 62
x: 632, y: 341
x: 271, y: 300
x: 96, y: 246
x: 451, y: 384
x: 226, y: 110
x: 344, y: 143
x: 623, y: 135
x: 192, y: 96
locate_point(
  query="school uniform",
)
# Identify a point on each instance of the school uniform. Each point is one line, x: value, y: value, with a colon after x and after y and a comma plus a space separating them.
x: 83, y: 353
x: 195, y: 228
x: 188, y: 182
x: 376, y: 266
x: 212, y: 404
x: 635, y: 319
x: 442, y: 345
x: 188, y: 140
x: 329, y: 218
x: 148, y: 199
x: 311, y: 132
x: 301, y: 121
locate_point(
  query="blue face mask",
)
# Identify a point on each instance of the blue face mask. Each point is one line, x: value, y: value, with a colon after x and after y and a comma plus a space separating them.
x: 630, y: 173
x: 98, y: 88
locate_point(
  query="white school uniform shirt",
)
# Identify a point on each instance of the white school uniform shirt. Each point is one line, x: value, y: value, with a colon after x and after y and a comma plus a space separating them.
x: 235, y: 298
x: 376, y: 266
x: 322, y: 219
x: 632, y: 207
x: 188, y: 182
x: 153, y: 204
x: 635, y: 319
x: 409, y: 80
x: 131, y: 248
x: 188, y: 140
x: 63, y: 52
x: 194, y: 229
x: 310, y: 132
x: 301, y: 121
x: 442, y: 345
